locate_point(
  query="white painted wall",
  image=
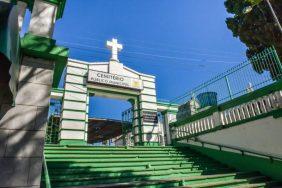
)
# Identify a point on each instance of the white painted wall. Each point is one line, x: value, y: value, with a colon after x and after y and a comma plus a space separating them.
x: 263, y: 135
x: 43, y: 19
x: 78, y: 135
x: 103, y: 67
x: 21, y: 10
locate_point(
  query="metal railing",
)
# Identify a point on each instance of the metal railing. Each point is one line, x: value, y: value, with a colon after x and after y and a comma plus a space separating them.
x: 127, y: 115
x: 52, y: 128
x: 46, y: 174
x: 241, y: 150
x: 219, y: 119
x: 127, y: 126
x: 55, y: 107
x: 259, y: 71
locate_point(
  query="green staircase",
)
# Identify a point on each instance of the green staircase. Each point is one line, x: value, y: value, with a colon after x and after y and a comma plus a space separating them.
x: 88, y: 166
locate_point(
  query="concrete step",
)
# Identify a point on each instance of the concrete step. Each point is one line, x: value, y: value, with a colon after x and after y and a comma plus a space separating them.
x: 148, y: 167
x: 226, y: 182
x: 272, y: 184
x: 111, y: 148
x: 110, y: 156
x: 111, y: 174
x: 103, y: 152
x: 64, y: 165
x: 120, y: 160
x: 132, y: 168
x: 168, y: 182
x: 108, y: 180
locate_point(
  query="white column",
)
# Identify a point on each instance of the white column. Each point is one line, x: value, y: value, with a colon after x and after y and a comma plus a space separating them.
x: 43, y: 19
x: 168, y: 118
x: 161, y: 130
x: 21, y: 13
x: 74, y: 118
x: 148, y: 105
x: 5, y: 1
x: 166, y: 125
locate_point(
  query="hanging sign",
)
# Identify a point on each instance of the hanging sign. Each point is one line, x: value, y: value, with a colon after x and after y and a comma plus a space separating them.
x: 114, y: 80
x: 150, y: 117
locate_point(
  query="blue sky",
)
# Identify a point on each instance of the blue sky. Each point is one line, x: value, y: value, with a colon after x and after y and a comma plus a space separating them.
x: 181, y: 42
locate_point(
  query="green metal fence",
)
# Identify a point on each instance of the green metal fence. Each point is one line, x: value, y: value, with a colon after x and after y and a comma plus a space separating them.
x: 260, y: 70
x: 127, y: 126
x: 46, y: 183
x: 52, y: 129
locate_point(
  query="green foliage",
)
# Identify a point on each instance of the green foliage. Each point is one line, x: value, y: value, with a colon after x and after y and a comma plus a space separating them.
x: 256, y: 29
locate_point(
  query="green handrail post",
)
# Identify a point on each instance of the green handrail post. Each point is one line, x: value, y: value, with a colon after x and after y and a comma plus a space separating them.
x: 228, y: 87
x: 278, y: 62
x: 46, y: 173
x: 123, y: 134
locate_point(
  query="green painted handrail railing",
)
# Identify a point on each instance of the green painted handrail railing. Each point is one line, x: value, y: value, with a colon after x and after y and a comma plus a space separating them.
x: 276, y: 86
x: 259, y: 71
x: 46, y: 174
x: 252, y: 106
x: 271, y: 157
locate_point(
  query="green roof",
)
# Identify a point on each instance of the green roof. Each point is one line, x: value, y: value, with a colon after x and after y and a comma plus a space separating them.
x: 46, y: 48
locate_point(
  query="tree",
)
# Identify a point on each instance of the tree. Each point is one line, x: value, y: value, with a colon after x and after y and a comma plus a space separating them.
x: 256, y: 29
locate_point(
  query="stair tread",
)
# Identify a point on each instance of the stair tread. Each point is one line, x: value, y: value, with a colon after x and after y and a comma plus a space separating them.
x: 126, y: 184
x: 227, y: 182
x: 132, y: 169
x: 212, y: 176
x: 214, y: 184
x: 114, y: 156
x: 253, y: 185
x: 161, y: 181
x: 111, y: 160
x: 88, y: 166
x: 130, y: 174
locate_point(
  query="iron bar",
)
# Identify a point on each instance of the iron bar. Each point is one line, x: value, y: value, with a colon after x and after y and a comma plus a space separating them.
x: 257, y: 72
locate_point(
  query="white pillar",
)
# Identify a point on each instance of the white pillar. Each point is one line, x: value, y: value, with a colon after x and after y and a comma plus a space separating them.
x: 43, y: 19
x: 166, y: 125
x: 5, y: 1
x: 21, y: 13
x: 168, y: 118
x: 161, y: 130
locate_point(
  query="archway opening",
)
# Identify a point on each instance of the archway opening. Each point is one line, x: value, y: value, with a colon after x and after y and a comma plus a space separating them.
x: 109, y: 122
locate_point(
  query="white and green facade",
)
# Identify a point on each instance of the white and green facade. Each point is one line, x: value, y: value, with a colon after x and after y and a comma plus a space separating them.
x: 243, y: 132
x: 116, y: 81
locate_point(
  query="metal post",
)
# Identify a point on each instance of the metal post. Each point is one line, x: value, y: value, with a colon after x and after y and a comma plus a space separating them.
x: 274, y: 15
x: 46, y: 173
x: 123, y: 134
x: 228, y: 87
x: 277, y: 61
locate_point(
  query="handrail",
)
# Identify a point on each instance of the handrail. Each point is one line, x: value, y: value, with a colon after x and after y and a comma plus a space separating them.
x: 253, y: 106
x: 243, y: 151
x: 266, y: 90
x: 46, y: 173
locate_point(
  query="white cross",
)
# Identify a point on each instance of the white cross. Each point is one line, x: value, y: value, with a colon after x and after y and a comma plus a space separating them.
x: 115, y: 47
